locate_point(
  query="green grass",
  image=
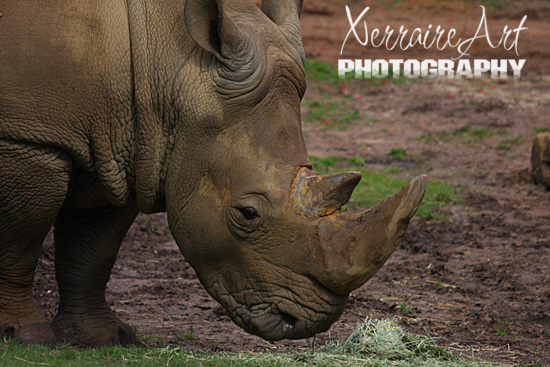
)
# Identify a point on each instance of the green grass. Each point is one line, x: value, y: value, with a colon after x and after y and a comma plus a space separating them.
x: 465, y: 133
x: 502, y: 331
x: 321, y: 71
x: 461, y: 131
x: 513, y: 141
x: 323, y: 164
x: 470, y: 135
x: 392, y: 169
x: 481, y: 133
x: 531, y: 364
x: 542, y: 129
x: 398, y: 153
x: 428, y: 138
x: 497, y: 4
x: 376, y: 186
x: 373, y: 343
x: 405, y: 308
x: 507, y: 144
x: 493, y: 4
x: 503, y: 328
x: 356, y: 160
x: 332, y: 113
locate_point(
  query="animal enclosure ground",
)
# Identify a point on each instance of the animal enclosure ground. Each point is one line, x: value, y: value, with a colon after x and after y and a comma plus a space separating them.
x: 477, y: 274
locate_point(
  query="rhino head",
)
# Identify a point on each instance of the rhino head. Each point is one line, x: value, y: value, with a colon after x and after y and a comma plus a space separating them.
x: 263, y: 230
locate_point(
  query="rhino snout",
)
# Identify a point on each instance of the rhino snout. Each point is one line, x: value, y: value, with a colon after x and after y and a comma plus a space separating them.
x: 299, y: 307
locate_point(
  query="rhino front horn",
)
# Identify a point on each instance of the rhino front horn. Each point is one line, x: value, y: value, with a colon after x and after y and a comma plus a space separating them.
x: 356, y: 244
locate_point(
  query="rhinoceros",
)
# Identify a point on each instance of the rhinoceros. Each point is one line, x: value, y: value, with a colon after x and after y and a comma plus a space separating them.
x: 111, y: 108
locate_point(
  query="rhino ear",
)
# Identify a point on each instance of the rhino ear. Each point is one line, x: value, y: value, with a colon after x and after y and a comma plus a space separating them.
x: 215, y: 31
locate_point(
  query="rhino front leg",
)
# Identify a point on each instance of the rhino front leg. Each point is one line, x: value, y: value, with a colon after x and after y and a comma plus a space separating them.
x: 33, y: 184
x: 86, y: 246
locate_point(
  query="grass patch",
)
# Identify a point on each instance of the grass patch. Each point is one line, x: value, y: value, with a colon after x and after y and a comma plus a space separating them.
x: 326, y: 163
x: 398, y: 153
x: 321, y: 71
x: 393, y: 169
x: 384, y: 343
x: 531, y: 364
x: 428, y: 138
x: 376, y: 186
x: 514, y: 141
x: 481, y: 133
x: 507, y: 144
x: 470, y: 135
x: 503, y: 328
x: 461, y: 131
x: 497, y: 4
x: 356, y: 161
x: 542, y: 129
x: 373, y: 343
x: 405, y: 308
x: 493, y: 4
x: 466, y: 133
x: 332, y: 113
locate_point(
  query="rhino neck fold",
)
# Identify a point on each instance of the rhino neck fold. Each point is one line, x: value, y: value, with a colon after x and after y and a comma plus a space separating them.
x: 150, y: 105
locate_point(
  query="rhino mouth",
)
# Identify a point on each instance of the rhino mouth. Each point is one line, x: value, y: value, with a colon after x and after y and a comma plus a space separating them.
x: 293, y: 317
x: 273, y: 326
x: 285, y: 327
x: 288, y: 321
x: 277, y: 325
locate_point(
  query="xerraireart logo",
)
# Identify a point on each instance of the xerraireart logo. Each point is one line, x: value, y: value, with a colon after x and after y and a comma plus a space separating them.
x: 456, y: 67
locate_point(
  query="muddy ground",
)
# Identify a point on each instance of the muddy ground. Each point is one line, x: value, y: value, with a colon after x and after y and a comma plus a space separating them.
x: 477, y: 275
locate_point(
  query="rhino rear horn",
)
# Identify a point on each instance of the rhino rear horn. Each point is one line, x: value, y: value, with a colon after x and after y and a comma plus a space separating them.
x: 322, y: 195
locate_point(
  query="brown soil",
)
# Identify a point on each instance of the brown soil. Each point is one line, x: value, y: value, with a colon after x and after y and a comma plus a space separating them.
x: 480, y: 280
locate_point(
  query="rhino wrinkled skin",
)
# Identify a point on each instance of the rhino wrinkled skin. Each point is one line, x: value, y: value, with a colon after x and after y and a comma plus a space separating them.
x: 108, y: 108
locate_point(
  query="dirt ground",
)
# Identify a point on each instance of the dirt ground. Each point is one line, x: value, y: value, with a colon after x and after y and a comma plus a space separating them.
x: 479, y: 280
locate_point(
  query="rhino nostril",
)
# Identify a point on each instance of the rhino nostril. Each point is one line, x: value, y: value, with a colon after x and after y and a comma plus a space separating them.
x: 289, y: 321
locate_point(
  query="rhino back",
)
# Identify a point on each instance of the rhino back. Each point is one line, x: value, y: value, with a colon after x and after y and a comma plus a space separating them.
x: 65, y: 80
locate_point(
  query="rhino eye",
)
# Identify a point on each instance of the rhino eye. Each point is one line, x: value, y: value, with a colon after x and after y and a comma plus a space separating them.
x: 244, y: 218
x: 249, y: 213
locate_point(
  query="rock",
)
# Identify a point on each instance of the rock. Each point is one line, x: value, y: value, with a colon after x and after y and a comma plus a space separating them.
x: 540, y: 159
